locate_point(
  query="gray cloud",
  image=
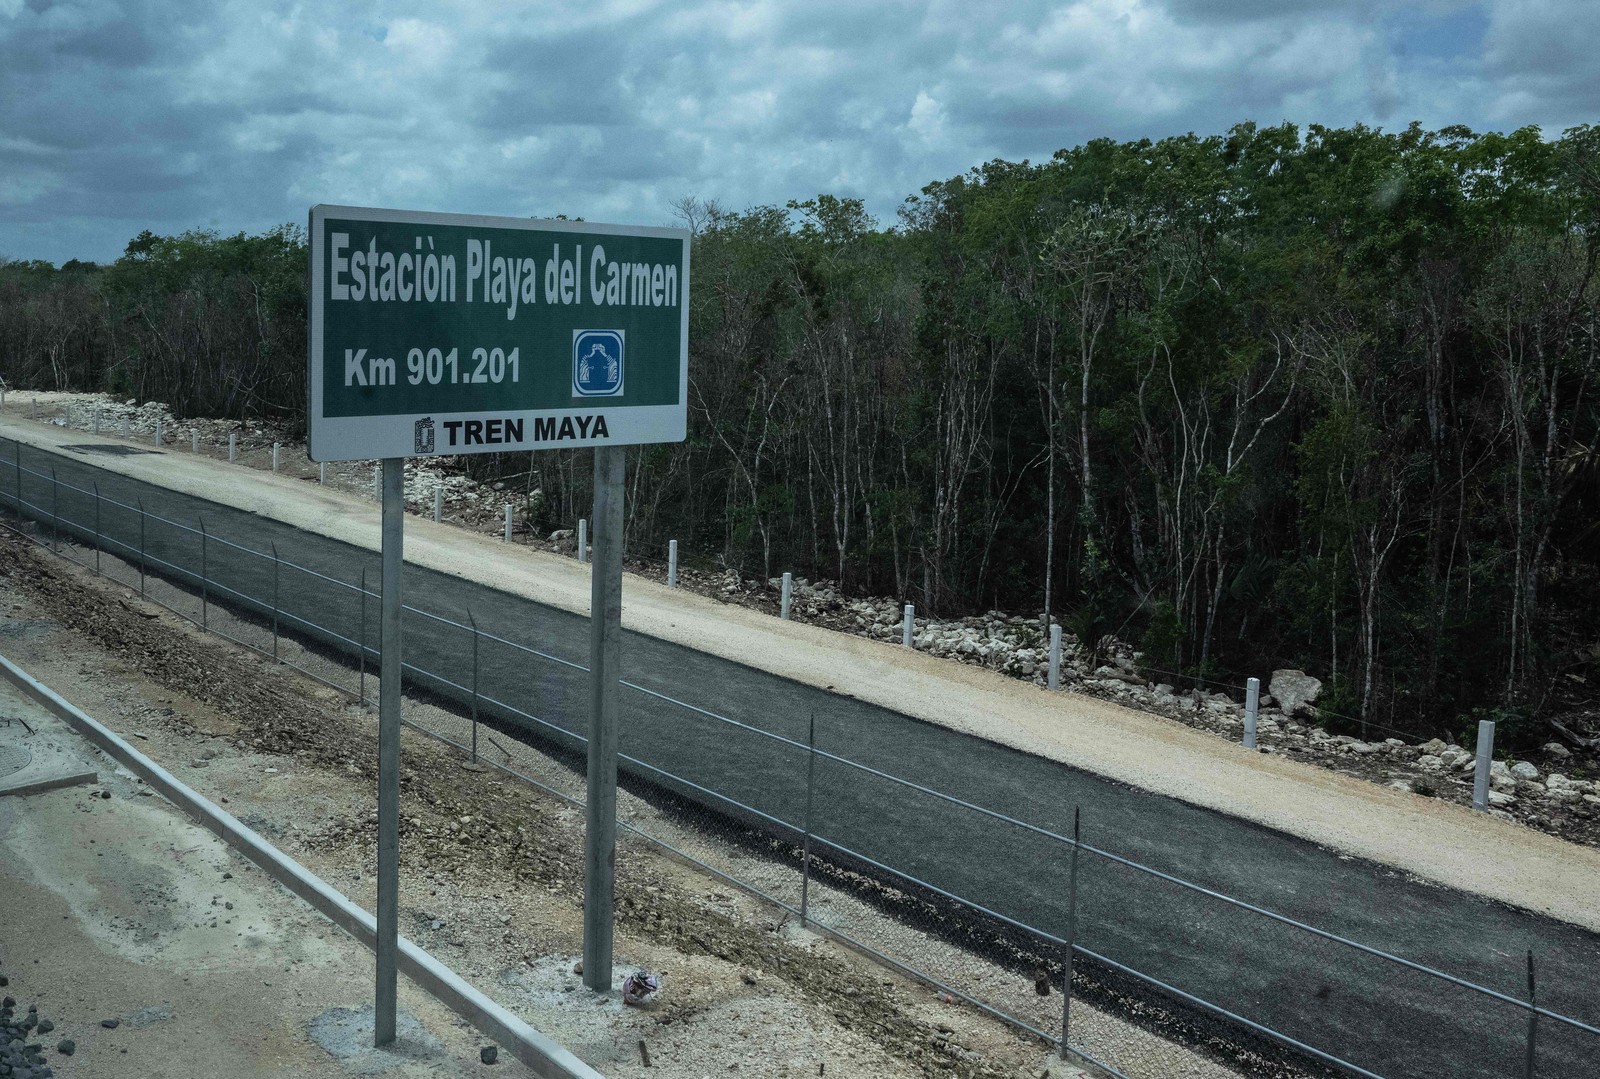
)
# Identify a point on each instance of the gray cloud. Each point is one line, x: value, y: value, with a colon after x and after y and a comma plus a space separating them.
x: 239, y: 114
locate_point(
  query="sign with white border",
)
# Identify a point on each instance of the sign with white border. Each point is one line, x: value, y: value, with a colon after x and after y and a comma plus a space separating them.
x: 436, y: 333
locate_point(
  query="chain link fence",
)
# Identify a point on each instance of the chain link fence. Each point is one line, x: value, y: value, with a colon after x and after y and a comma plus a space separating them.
x: 917, y: 877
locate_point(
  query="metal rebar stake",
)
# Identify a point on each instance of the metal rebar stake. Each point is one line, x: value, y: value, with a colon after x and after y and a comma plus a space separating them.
x: 388, y: 922
x: 275, y: 658
x: 1072, y: 935
x: 1533, y: 1020
x: 205, y: 616
x: 805, y: 852
x: 361, y: 645
x: 605, y: 648
x: 141, y: 547
x: 474, y: 622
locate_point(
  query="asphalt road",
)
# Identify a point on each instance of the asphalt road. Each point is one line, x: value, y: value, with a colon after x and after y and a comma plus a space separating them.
x: 1393, y: 1022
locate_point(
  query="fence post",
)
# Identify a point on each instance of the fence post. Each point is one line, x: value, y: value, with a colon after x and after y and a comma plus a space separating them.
x: 275, y: 658
x: 1533, y: 1020
x: 1055, y: 656
x: 583, y: 540
x: 275, y: 447
x: 1480, y: 778
x: 438, y: 501
x: 672, y: 563
x: 906, y: 625
x: 141, y: 547
x: 205, y: 617
x: 33, y: 409
x: 361, y: 644
x: 194, y: 440
x: 97, y: 528
x: 805, y: 851
x: 233, y: 446
x: 127, y: 427
x: 377, y: 483
x: 158, y: 431
x: 1072, y: 934
x: 788, y: 593
x: 322, y: 473
x: 474, y: 623
x: 55, y: 505
x: 97, y: 421
x: 1252, y: 706
x: 508, y: 523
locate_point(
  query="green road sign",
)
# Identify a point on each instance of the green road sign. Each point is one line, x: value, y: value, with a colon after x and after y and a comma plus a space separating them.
x: 451, y: 333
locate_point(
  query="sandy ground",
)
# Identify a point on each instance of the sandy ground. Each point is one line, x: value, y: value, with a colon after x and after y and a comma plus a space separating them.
x: 491, y: 871
x: 118, y: 907
x: 1438, y: 841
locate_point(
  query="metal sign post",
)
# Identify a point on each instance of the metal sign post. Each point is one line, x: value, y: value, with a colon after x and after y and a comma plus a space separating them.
x: 388, y: 943
x: 450, y: 334
x: 605, y: 650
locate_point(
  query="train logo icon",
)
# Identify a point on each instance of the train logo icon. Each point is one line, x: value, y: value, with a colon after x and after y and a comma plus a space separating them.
x: 597, y: 357
x: 424, y: 435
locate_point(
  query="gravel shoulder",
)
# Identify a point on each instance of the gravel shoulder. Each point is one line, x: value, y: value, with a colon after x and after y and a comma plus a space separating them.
x: 1430, y: 838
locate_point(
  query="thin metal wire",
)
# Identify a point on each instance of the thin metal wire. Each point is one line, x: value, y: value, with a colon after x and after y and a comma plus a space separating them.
x: 1532, y: 1008
x: 994, y: 814
x: 1237, y: 1018
x: 751, y: 889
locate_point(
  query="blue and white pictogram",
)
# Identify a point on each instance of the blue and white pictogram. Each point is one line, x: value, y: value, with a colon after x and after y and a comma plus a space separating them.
x: 597, y: 363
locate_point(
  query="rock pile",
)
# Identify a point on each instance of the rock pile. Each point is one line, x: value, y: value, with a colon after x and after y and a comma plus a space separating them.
x: 21, y: 1058
x: 1011, y: 644
x: 1517, y: 782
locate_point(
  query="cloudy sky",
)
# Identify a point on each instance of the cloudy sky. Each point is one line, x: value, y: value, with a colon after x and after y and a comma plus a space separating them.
x: 122, y: 115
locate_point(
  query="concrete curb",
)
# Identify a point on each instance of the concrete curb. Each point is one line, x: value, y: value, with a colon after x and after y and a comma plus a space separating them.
x: 545, y: 1056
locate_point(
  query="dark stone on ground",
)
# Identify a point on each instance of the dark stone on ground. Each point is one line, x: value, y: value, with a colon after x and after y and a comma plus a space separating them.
x: 110, y: 1024
x: 46, y: 1026
x: 66, y: 1047
x: 488, y: 1054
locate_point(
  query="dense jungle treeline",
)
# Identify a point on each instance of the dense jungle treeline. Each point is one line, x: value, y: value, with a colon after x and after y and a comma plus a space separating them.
x: 1322, y: 398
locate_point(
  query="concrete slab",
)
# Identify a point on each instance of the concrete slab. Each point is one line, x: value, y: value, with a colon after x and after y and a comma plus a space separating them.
x: 35, y: 759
